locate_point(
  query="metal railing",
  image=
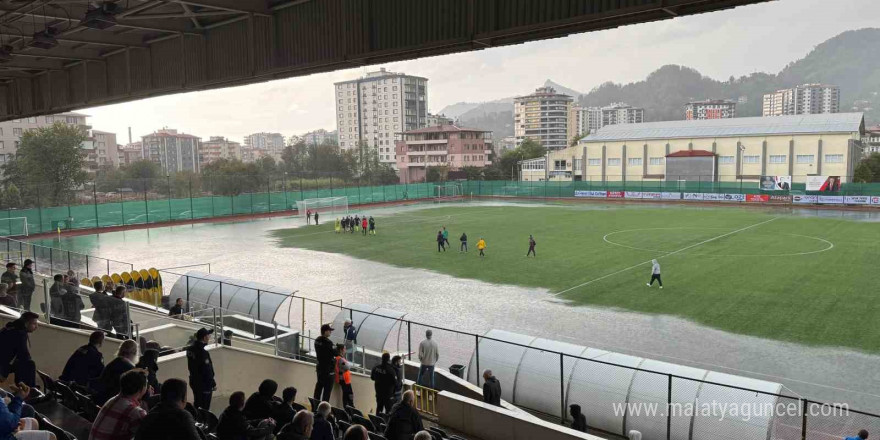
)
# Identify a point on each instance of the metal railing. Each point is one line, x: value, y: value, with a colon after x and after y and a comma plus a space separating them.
x: 53, y: 260
x: 426, y: 399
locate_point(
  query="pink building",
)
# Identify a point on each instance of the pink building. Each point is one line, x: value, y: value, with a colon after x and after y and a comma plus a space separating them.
x: 438, y: 146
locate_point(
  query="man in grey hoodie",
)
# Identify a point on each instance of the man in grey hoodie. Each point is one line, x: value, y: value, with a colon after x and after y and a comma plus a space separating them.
x: 655, y: 273
x: 429, y: 352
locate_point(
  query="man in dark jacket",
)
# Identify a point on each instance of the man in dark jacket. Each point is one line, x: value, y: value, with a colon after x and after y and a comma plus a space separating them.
x: 322, y: 429
x: 326, y: 366
x: 404, y: 421
x: 72, y: 303
x: 384, y: 380
x: 15, y: 356
x: 109, y: 379
x: 25, y: 290
x: 491, y: 389
x: 201, y: 369
x: 86, y: 363
x: 56, y: 306
x: 234, y: 425
x: 299, y: 429
x: 99, y: 298
x: 397, y: 363
x: 283, y: 412
x: 9, y: 277
x: 177, y: 310
x: 118, y: 312
x: 578, y: 420
x: 169, y: 420
x: 260, y: 404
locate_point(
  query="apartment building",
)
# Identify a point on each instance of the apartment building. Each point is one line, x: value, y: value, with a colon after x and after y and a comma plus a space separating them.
x: 129, y: 153
x: 441, y: 146
x: 259, y: 145
x: 173, y: 151
x: 806, y: 99
x: 589, y: 119
x: 710, y: 109
x: 216, y: 148
x: 543, y: 116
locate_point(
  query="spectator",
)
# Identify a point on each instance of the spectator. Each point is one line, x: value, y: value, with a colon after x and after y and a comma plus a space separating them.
x: 118, y: 312
x: 177, y: 310
x: 149, y: 362
x: 322, y: 429
x: 356, y: 432
x: 423, y: 435
x: 227, y: 338
x: 201, y: 369
x: 86, y: 363
x: 384, y: 379
x: 404, y: 421
x: 397, y: 363
x: 429, y: 352
x: 491, y: 389
x: 343, y: 377
x: 169, y: 420
x: 108, y: 383
x: 283, y: 412
x: 234, y: 424
x: 325, y: 366
x: 9, y: 277
x: 56, y: 306
x: 15, y: 355
x: 120, y: 417
x: 10, y: 416
x: 349, y: 338
x: 578, y: 419
x: 5, y: 298
x: 100, y: 303
x: 72, y: 303
x: 260, y: 404
x: 863, y: 435
x: 298, y: 429
x: 25, y: 290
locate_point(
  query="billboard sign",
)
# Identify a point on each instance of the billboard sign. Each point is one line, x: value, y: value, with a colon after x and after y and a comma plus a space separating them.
x: 875, y: 200
x: 823, y: 183
x: 757, y: 198
x: 652, y: 196
x: 775, y: 183
x: 804, y: 200
x: 715, y: 197
x: 616, y: 194
x: 857, y: 200
x: 693, y: 196
x: 591, y: 194
x: 633, y: 195
x: 776, y: 198
x: 677, y: 196
x: 831, y: 200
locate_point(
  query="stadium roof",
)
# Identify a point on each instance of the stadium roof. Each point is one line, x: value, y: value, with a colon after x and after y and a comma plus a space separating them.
x: 712, y: 128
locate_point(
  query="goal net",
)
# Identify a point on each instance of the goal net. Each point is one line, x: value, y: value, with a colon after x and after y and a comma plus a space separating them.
x: 447, y: 192
x: 14, y: 227
x: 325, y: 205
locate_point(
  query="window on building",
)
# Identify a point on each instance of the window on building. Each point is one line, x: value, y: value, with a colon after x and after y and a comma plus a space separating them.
x: 48, y: 119
x: 16, y: 131
x: 777, y: 158
x: 655, y: 161
x: 725, y: 159
x: 1, y: 145
x: 72, y: 120
x: 634, y: 161
x: 805, y: 158
x: 752, y: 159
x: 614, y: 162
x: 32, y: 120
x: 833, y: 158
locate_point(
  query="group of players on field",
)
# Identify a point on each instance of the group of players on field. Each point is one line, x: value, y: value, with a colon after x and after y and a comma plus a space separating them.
x: 443, y: 242
x: 351, y: 224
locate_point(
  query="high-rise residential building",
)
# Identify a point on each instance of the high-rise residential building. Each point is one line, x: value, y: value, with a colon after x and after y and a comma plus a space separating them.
x: 543, y: 116
x: 11, y: 131
x: 441, y: 119
x: 319, y: 137
x: 806, y: 99
x: 129, y: 153
x: 216, y: 148
x: 173, y: 151
x: 710, y: 109
x: 105, y: 151
x: 871, y: 140
x: 620, y: 113
x: 441, y: 146
x: 372, y: 109
x: 259, y: 145
x: 586, y: 120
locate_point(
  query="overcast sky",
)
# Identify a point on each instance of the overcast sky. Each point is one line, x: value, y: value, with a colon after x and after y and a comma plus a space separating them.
x: 737, y: 42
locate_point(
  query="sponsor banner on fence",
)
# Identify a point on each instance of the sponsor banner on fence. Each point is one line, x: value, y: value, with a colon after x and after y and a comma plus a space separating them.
x: 857, y: 200
x: 775, y: 183
x: 804, y: 200
x: 674, y: 196
x: 616, y: 194
x: 591, y: 194
x: 823, y: 183
x: 875, y: 200
x: 715, y: 197
x: 693, y: 196
x: 757, y: 198
x: 652, y: 195
x: 633, y: 195
x: 831, y: 200
x: 776, y: 198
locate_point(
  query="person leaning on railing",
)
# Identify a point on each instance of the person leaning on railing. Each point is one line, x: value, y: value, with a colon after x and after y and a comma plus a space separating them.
x: 56, y: 306
x: 72, y: 303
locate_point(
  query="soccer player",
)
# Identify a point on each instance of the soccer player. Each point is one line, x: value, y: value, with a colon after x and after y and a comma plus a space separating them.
x: 357, y: 223
x: 463, y: 240
x: 338, y: 226
x: 440, y: 245
x: 308, y: 216
x: 532, y: 244
x: 316, y: 218
x: 345, y: 224
x: 372, y: 225
x: 364, y: 225
x: 481, y: 245
x: 446, y: 237
x: 655, y: 273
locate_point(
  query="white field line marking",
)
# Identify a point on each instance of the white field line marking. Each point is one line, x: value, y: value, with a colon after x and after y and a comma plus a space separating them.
x: 666, y: 255
x: 829, y: 245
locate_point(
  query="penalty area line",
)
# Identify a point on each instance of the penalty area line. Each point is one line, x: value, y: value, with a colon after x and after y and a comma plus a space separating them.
x: 665, y: 255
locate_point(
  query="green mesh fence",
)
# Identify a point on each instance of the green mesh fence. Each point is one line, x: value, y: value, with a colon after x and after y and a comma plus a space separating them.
x: 150, y: 207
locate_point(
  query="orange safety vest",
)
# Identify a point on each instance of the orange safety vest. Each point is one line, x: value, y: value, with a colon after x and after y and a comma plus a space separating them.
x: 346, y: 376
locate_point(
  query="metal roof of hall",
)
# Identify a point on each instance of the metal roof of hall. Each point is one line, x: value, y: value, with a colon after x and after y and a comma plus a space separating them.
x: 753, y: 126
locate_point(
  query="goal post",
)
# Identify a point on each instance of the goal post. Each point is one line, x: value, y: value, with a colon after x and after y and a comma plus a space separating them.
x: 447, y: 192
x: 14, y: 227
x: 324, y: 205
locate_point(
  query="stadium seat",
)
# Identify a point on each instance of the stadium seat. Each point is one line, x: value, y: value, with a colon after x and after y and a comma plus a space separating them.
x: 117, y: 279
x: 378, y: 422
x: 106, y: 279
x: 340, y: 414
x: 68, y: 397
x: 126, y: 278
x: 353, y: 411
x: 435, y: 436
x: 438, y: 431
x: 88, y: 406
x: 360, y: 420
x: 209, y: 420
x: 49, y: 387
x: 86, y: 282
x: 375, y: 436
x: 95, y: 279
x: 314, y: 404
x: 60, y: 434
x: 342, y: 426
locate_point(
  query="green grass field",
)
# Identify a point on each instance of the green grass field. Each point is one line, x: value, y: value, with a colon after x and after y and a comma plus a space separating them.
x: 801, y: 279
